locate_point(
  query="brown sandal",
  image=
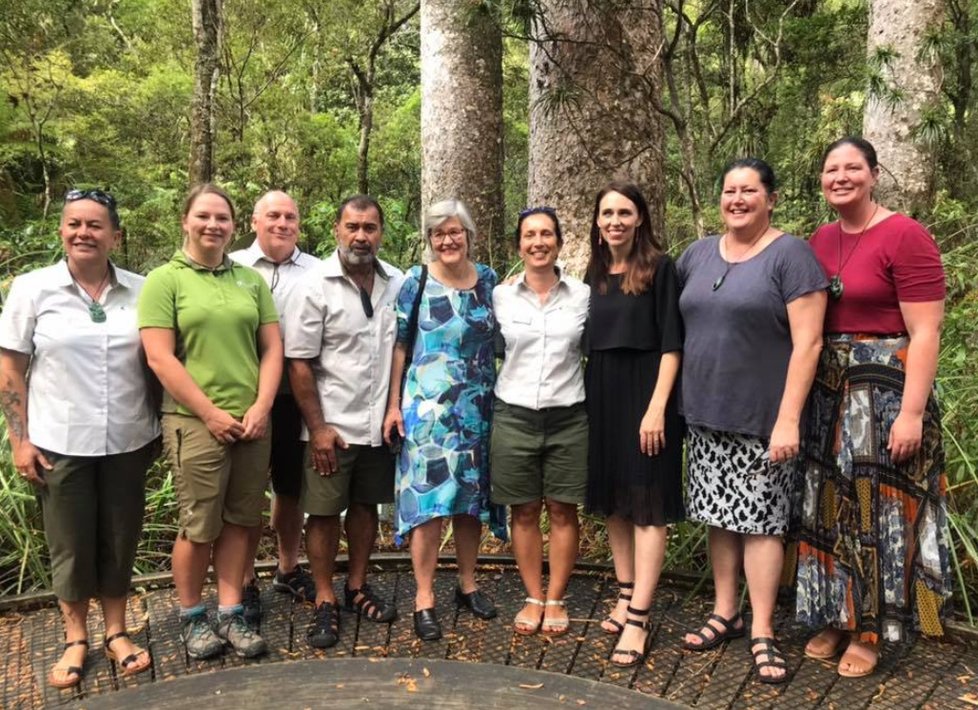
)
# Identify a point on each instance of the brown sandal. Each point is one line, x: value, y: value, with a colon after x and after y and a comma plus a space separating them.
x: 830, y: 650
x: 72, y: 674
x: 850, y: 657
x: 130, y: 664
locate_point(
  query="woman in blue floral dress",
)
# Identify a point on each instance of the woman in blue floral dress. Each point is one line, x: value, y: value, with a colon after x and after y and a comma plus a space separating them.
x: 444, y: 419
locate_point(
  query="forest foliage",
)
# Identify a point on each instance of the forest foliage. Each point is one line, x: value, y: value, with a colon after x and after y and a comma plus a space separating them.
x: 97, y: 93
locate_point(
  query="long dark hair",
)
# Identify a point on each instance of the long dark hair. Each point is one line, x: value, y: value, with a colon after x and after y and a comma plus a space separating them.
x: 647, y: 246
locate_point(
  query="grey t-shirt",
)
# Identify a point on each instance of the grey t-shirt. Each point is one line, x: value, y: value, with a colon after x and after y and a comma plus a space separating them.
x: 738, y: 340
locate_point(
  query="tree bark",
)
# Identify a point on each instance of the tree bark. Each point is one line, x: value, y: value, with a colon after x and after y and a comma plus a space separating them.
x: 594, y: 74
x: 897, y: 29
x: 461, y: 116
x: 203, y: 124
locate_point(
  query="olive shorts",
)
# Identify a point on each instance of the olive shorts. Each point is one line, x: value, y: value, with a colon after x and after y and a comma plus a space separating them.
x: 215, y: 483
x: 92, y: 508
x: 365, y: 475
x: 536, y: 454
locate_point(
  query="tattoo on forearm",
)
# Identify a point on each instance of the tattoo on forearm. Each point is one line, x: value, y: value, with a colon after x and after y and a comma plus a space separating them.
x: 10, y: 402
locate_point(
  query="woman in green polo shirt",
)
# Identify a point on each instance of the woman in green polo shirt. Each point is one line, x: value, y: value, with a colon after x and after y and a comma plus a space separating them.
x: 210, y: 330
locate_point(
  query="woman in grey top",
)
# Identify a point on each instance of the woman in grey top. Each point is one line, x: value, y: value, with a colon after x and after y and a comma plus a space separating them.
x: 538, y: 450
x: 753, y: 301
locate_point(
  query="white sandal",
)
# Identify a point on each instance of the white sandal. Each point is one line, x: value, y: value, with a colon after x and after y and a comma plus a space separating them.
x: 526, y: 626
x: 555, y: 627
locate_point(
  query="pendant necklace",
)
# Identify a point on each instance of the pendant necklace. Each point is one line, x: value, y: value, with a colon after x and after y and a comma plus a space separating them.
x: 95, y: 310
x: 730, y: 264
x: 836, y: 287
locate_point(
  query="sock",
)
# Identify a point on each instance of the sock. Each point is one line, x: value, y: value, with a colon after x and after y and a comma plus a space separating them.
x: 223, y: 611
x: 187, y: 612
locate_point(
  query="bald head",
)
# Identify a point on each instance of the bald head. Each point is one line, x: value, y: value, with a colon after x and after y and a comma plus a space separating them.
x: 275, y: 220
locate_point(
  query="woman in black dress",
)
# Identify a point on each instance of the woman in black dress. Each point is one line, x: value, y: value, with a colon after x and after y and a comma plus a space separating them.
x: 636, y: 434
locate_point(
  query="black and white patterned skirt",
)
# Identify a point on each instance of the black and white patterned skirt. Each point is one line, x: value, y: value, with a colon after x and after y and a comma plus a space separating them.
x: 731, y: 483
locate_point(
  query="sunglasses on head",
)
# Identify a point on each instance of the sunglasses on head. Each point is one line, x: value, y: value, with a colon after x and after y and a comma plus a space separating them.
x: 549, y: 211
x: 103, y: 198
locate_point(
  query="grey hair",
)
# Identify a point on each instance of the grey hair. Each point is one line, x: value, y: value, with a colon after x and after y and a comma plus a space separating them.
x: 446, y: 209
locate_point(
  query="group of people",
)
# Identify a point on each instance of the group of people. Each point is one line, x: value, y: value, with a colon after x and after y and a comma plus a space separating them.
x: 798, y: 377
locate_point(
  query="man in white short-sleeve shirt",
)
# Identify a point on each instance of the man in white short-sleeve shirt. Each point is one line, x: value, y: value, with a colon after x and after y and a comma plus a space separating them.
x: 275, y: 255
x: 340, y: 327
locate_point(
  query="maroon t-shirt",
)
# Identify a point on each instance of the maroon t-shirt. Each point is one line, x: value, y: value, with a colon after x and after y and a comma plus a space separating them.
x: 894, y: 260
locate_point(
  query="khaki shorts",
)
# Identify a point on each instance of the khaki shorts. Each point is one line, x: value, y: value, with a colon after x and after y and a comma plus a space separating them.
x: 366, y: 476
x: 215, y: 483
x: 536, y: 454
x: 93, y: 516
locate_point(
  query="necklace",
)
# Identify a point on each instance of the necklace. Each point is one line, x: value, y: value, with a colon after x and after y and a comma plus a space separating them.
x: 95, y: 310
x: 730, y: 264
x: 836, y: 287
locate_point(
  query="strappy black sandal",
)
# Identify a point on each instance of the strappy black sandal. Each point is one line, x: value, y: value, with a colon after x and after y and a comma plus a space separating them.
x: 635, y: 657
x: 623, y: 587
x: 775, y: 659
x: 365, y: 602
x: 729, y: 631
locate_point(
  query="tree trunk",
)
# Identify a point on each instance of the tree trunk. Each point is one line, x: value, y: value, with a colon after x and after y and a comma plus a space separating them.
x: 594, y: 70
x: 461, y: 116
x: 207, y: 38
x: 897, y: 30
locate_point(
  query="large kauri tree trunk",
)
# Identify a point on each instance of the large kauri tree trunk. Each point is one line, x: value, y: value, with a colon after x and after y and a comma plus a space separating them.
x: 207, y: 39
x: 461, y: 116
x: 897, y: 30
x: 594, y: 69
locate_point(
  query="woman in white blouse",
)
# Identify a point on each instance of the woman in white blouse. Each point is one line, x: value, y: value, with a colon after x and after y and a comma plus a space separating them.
x: 70, y: 331
x: 540, y: 429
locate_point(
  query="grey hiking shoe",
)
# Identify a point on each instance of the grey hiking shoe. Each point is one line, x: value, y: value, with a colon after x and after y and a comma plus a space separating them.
x: 234, y: 631
x: 199, y: 638
x: 251, y: 601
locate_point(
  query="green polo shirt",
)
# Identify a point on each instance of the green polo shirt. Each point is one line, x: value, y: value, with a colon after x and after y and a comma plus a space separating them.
x: 215, y: 314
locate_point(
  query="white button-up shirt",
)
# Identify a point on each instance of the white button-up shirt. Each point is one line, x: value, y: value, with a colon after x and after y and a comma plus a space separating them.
x: 281, y: 278
x: 325, y: 322
x: 542, y: 367
x: 87, y: 387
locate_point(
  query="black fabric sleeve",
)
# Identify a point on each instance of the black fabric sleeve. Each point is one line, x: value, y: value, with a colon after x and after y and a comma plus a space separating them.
x: 668, y: 321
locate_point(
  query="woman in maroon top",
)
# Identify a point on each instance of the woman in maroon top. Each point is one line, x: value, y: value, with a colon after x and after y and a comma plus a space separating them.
x: 873, y: 552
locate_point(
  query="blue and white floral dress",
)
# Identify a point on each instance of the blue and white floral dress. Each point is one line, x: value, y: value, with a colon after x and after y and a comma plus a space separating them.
x: 443, y: 467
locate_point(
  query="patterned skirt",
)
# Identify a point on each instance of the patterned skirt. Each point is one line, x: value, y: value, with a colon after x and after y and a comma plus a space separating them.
x: 873, y: 551
x: 731, y: 484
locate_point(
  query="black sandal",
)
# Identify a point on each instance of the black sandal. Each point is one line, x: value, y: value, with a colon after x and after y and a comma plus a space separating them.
x: 324, y: 630
x: 619, y: 627
x: 729, y: 631
x: 365, y: 602
x: 635, y: 657
x: 127, y: 664
x: 776, y: 659
x: 72, y: 674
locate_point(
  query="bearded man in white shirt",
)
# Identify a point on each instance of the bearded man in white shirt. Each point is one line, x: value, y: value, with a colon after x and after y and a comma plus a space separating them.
x: 340, y: 327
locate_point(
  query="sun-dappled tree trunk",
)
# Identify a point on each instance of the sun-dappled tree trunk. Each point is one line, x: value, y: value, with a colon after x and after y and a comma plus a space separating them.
x: 461, y: 115
x: 906, y: 91
x: 207, y: 39
x: 593, y: 68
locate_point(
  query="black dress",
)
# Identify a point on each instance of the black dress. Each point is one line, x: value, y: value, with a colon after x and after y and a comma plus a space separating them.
x: 627, y: 336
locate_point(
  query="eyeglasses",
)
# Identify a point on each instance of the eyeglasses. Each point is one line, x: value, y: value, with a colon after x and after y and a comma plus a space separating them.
x: 103, y: 198
x: 455, y: 235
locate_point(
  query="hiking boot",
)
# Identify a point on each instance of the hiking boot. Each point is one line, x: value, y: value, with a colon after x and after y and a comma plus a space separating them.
x: 235, y: 632
x: 198, y: 637
x: 298, y: 583
x: 251, y: 601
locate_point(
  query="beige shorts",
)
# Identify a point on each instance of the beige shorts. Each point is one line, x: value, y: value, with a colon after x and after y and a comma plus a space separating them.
x: 215, y: 483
